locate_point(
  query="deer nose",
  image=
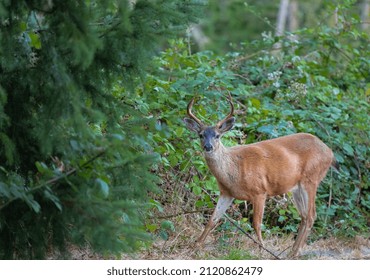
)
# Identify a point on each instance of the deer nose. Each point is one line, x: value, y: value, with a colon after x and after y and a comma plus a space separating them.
x: 208, y: 147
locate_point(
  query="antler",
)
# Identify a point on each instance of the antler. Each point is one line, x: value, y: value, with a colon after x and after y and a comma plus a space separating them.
x: 190, y: 106
x: 231, y: 111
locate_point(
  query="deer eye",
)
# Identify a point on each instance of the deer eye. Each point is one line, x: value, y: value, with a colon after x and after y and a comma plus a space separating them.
x: 201, y: 136
x: 217, y: 136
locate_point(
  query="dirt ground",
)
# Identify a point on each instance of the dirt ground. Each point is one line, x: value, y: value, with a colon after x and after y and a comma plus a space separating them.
x: 236, y: 245
x: 326, y: 249
x: 231, y: 243
x: 239, y: 246
x: 242, y: 248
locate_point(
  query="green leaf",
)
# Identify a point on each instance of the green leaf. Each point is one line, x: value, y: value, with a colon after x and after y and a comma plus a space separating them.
x: 4, y: 190
x: 281, y: 219
x: 197, y: 190
x: 199, y: 203
x: 41, y: 167
x: 268, y: 129
x: 163, y: 234
x: 256, y: 103
x: 32, y: 203
x: 35, y: 40
x: 49, y: 195
x: 75, y: 145
x: 156, y: 204
x: 348, y: 149
x: 339, y: 158
x: 104, y: 188
x: 152, y: 227
x: 168, y: 225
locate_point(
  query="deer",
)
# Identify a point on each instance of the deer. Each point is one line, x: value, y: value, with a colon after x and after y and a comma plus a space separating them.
x: 295, y: 163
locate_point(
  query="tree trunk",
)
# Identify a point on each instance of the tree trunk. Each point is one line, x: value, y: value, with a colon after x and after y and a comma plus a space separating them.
x: 293, y: 19
x: 198, y: 35
x: 282, y: 17
x: 281, y: 23
x: 293, y: 16
x: 365, y: 10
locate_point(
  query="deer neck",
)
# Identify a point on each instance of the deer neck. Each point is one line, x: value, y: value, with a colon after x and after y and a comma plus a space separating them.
x: 222, y: 166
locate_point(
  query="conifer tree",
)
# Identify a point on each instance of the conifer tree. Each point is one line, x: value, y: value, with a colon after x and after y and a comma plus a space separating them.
x: 74, y: 157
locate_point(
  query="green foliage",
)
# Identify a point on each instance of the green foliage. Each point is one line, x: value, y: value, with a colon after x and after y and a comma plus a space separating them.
x: 162, y: 229
x: 238, y: 254
x: 318, y: 83
x: 85, y: 132
x: 76, y: 162
x: 233, y: 23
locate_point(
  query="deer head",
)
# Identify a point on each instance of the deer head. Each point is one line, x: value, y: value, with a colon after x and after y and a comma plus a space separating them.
x: 210, y: 135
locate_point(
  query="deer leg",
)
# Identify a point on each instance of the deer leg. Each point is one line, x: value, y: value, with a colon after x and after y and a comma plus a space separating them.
x: 304, y: 199
x: 258, y: 209
x: 300, y: 198
x: 223, y: 203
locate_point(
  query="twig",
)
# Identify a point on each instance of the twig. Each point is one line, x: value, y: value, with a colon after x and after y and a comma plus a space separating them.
x: 284, y: 250
x: 244, y: 78
x: 108, y: 30
x: 246, y: 57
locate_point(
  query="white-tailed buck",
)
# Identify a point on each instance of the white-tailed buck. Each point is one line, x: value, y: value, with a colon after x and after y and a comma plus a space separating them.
x: 296, y: 163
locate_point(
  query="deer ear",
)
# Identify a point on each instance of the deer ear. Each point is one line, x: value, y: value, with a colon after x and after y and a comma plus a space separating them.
x: 227, y: 125
x: 192, y: 125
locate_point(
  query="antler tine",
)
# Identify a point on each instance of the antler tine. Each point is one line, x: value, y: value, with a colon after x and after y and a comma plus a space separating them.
x: 190, y: 106
x: 229, y: 98
x: 231, y: 105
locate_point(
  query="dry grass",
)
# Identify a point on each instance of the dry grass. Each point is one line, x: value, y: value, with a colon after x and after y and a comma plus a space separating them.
x: 233, y: 244
x: 238, y: 246
x: 179, y: 247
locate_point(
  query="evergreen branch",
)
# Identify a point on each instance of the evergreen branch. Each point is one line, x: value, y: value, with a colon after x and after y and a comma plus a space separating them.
x: 56, y: 179
x: 48, y: 9
x: 112, y: 28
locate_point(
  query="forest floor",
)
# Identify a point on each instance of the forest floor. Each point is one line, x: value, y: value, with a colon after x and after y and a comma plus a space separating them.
x: 242, y: 248
x: 227, y: 242
x: 234, y: 245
